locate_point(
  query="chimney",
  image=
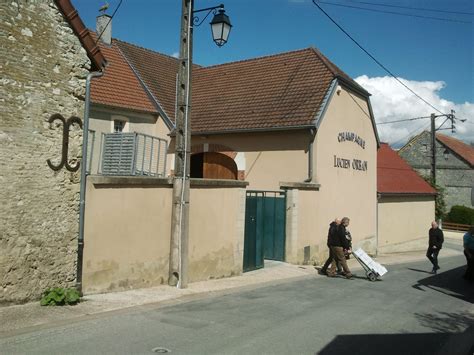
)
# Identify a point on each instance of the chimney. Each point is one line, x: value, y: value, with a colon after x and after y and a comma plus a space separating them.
x: 104, y: 22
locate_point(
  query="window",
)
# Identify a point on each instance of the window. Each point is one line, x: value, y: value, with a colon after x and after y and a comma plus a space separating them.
x: 119, y: 126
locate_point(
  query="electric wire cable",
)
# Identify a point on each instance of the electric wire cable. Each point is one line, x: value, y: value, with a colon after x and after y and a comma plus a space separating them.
x: 414, y: 8
x: 374, y: 59
x: 108, y: 23
x: 403, y: 120
x: 394, y: 13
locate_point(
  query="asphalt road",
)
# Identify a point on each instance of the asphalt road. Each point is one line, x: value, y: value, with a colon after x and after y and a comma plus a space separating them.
x: 409, y: 312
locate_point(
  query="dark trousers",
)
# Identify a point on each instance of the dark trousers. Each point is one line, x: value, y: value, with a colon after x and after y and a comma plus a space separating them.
x: 339, y: 256
x: 432, y: 254
x: 329, y: 261
x: 469, y: 275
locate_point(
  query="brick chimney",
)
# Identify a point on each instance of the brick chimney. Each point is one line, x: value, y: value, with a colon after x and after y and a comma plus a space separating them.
x: 101, y: 23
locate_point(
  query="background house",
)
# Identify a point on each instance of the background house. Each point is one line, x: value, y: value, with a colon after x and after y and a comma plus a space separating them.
x: 454, y: 165
x: 406, y: 203
x: 46, y: 56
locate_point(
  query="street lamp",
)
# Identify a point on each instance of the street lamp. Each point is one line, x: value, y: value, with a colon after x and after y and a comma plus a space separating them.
x: 220, y: 26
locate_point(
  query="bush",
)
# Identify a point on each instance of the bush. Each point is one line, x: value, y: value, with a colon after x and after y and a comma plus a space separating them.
x: 60, y: 296
x: 461, y: 214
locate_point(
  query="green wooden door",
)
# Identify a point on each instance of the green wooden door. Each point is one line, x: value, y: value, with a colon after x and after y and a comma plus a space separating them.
x: 264, y: 228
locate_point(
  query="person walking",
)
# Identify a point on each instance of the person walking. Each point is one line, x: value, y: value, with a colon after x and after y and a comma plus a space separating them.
x: 333, y: 226
x: 338, y: 244
x: 468, y: 242
x: 435, y: 243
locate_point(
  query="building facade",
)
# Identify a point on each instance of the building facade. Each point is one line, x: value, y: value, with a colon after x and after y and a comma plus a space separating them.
x: 44, y: 66
x: 454, y: 165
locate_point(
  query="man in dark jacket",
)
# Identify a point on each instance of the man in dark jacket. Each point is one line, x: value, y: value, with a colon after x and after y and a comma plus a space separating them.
x: 435, y: 243
x: 331, y: 233
x: 338, y: 243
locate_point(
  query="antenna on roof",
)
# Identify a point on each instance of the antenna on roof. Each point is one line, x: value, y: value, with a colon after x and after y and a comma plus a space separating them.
x: 104, y: 8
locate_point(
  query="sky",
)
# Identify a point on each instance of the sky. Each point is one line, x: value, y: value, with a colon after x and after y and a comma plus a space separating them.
x: 433, y: 57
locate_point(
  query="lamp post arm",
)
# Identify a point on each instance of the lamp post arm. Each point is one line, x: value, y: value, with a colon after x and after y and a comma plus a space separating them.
x: 198, y: 22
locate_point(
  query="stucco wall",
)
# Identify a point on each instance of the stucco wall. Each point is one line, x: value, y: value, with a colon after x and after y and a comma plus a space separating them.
x: 43, y: 70
x: 128, y: 230
x: 346, y: 191
x: 268, y: 157
x: 402, y: 220
x: 216, y: 234
x: 127, y: 235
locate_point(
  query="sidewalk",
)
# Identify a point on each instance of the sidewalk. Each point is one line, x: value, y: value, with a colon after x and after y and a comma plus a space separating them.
x: 23, y: 318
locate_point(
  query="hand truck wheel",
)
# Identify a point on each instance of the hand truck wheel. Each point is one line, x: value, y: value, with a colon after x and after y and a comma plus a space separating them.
x: 371, y: 276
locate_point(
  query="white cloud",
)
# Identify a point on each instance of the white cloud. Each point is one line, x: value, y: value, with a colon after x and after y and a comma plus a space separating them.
x: 391, y: 101
x: 175, y: 54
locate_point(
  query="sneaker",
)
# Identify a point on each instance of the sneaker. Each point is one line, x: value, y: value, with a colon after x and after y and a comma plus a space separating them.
x: 433, y: 271
x: 348, y: 276
x: 322, y: 272
x: 330, y: 275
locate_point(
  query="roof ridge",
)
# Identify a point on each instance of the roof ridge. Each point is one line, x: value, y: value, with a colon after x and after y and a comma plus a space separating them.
x: 146, y: 49
x: 256, y: 58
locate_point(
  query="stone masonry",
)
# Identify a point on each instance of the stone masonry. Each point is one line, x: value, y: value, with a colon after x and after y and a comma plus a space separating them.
x: 43, y: 69
x: 452, y: 173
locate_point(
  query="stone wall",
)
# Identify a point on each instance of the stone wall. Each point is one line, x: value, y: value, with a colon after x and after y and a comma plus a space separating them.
x: 43, y: 70
x: 452, y: 173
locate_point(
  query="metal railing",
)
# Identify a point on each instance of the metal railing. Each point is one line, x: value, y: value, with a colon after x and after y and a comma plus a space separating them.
x: 128, y: 154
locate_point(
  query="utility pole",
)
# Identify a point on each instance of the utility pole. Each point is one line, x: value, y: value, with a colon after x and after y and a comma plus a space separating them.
x: 220, y: 28
x: 452, y: 118
x: 178, y: 273
x: 433, y: 149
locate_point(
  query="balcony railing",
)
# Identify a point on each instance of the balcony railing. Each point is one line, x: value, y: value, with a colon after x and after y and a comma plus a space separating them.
x: 127, y: 154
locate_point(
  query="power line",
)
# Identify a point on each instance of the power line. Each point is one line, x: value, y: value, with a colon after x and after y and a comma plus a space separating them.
x: 108, y: 23
x: 404, y: 120
x: 394, y: 13
x: 411, y: 134
x: 415, y: 8
x: 373, y: 58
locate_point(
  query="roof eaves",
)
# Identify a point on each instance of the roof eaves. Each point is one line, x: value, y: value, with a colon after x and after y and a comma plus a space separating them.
x: 408, y: 193
x: 150, y: 95
x: 454, y: 152
x: 325, y: 104
x: 74, y: 20
x: 250, y: 130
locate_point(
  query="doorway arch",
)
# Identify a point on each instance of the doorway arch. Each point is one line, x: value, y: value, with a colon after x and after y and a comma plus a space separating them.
x: 213, y: 165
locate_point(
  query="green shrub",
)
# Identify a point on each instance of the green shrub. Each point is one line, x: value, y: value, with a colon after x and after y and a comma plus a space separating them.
x: 461, y: 214
x: 60, y: 296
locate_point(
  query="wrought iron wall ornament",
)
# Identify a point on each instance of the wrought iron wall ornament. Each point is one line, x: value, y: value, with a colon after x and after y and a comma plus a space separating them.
x: 64, y: 153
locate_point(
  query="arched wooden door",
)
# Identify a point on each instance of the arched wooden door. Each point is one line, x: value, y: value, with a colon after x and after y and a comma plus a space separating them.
x: 211, y: 165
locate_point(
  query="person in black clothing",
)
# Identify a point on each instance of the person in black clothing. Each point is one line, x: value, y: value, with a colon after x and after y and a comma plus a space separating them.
x: 332, y: 231
x: 435, y: 243
x: 338, y: 243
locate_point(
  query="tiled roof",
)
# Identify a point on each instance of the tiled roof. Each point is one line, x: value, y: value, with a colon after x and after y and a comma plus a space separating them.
x: 277, y: 91
x: 465, y: 151
x: 395, y: 176
x: 119, y: 86
x: 283, y: 90
x: 158, y: 72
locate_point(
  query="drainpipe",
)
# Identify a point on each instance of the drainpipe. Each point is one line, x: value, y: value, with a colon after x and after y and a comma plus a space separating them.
x: 310, y: 156
x: 377, y: 201
x: 82, y: 195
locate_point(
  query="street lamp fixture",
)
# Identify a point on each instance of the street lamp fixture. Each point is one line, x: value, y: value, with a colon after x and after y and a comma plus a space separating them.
x: 220, y: 23
x: 220, y: 26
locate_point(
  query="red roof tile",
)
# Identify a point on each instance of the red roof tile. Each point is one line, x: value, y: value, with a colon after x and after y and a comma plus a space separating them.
x: 277, y: 91
x: 119, y: 86
x: 462, y: 149
x: 395, y: 176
